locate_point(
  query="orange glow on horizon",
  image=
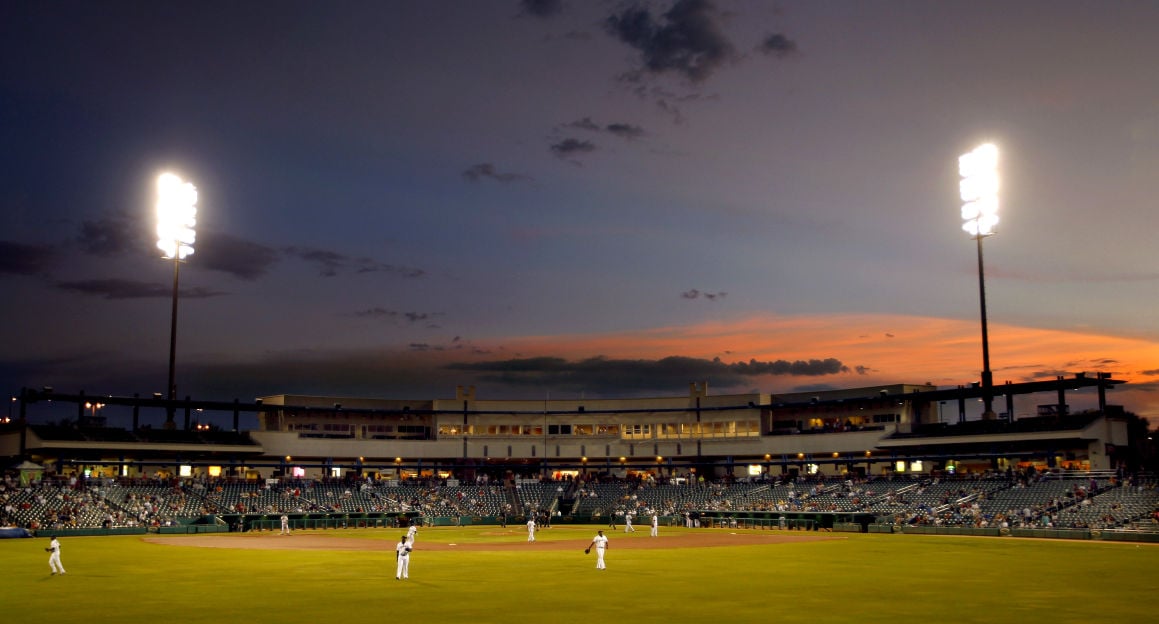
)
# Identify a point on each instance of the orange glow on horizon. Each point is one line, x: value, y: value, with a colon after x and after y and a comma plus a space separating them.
x: 880, y: 349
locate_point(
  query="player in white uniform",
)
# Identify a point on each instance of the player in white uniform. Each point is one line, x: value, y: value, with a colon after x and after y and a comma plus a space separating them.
x: 600, y: 542
x: 628, y: 523
x: 655, y: 524
x: 531, y: 529
x: 54, y: 558
x: 411, y: 533
x: 402, y: 558
x: 285, y: 524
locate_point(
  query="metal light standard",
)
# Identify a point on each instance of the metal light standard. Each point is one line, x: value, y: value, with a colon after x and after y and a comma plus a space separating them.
x: 978, y: 188
x: 176, y: 216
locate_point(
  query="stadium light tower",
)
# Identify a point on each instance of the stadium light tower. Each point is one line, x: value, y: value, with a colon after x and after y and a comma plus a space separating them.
x: 978, y: 188
x: 176, y: 216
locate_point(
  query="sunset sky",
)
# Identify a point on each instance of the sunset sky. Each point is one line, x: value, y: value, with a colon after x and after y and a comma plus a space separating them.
x: 577, y: 198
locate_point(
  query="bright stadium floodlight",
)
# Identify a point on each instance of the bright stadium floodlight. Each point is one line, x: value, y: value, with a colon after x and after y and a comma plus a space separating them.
x: 978, y: 189
x: 176, y: 217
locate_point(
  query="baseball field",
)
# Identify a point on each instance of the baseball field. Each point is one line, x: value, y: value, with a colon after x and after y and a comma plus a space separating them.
x: 490, y: 574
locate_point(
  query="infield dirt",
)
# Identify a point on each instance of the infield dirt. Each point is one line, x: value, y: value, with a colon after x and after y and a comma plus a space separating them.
x: 429, y: 540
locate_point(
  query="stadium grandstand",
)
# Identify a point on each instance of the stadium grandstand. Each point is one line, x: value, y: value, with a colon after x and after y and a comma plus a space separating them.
x: 862, y: 458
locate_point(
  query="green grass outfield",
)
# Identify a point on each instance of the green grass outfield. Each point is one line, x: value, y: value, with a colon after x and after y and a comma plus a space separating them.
x: 856, y: 578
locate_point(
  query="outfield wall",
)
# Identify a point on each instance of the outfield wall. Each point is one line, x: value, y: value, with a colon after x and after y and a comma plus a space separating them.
x: 779, y: 521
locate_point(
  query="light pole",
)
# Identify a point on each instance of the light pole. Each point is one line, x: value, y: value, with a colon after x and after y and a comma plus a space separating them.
x: 176, y: 216
x: 978, y: 188
x: 546, y: 398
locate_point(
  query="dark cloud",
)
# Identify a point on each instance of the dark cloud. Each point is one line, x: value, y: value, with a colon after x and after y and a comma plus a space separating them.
x: 419, y: 371
x: 332, y: 263
x: 112, y: 235
x: 585, y: 124
x: 685, y: 40
x: 638, y: 376
x: 778, y: 45
x: 21, y: 259
x: 541, y: 8
x: 486, y: 170
x: 620, y: 129
x: 625, y: 131
x: 671, y: 110
x: 131, y: 289
x: 385, y: 313
x: 570, y: 147
x: 115, y: 235
x: 238, y: 257
x: 329, y: 263
x: 697, y: 294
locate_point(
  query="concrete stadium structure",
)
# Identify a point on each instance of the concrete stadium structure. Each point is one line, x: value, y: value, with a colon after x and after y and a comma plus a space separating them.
x: 865, y: 431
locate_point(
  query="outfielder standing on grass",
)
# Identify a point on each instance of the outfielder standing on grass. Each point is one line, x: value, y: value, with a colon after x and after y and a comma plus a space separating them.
x: 54, y: 558
x: 600, y: 541
x: 402, y: 559
x: 531, y: 529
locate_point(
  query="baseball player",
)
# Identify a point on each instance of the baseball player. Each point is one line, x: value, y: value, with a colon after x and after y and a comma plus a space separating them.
x: 54, y: 558
x: 600, y: 542
x: 628, y: 528
x: 411, y: 533
x: 655, y: 524
x: 285, y: 524
x: 402, y: 557
x: 531, y: 529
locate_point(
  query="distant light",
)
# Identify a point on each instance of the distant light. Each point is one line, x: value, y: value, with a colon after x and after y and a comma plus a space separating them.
x: 978, y: 189
x: 176, y: 216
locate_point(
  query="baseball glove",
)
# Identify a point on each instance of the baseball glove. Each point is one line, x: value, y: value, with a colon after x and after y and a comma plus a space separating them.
x: 587, y: 550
